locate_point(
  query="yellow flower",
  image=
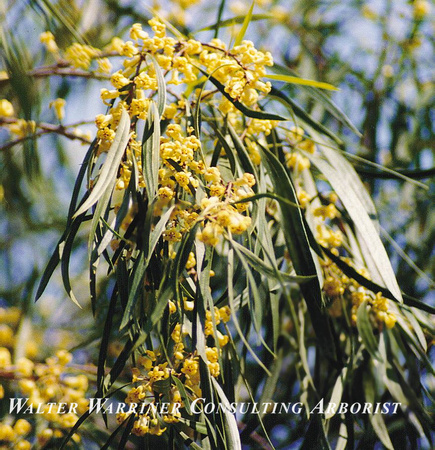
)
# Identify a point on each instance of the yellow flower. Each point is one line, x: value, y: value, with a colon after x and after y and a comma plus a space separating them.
x: 6, y: 108
x: 25, y: 367
x: 64, y: 357
x: 5, y: 358
x: 421, y: 9
x: 118, y: 80
x: 80, y: 56
x: 115, y: 45
x: 44, y: 436
x: 59, y: 108
x: 172, y: 307
x: 6, y: 336
x: 191, y: 261
x: 158, y: 27
x: 23, y: 445
x: 104, y: 65
x: 6, y: 433
x: 333, y: 287
x: 190, y: 366
x: 390, y: 320
x: 22, y: 427
x: 47, y: 38
x: 137, y: 33
x: 79, y: 382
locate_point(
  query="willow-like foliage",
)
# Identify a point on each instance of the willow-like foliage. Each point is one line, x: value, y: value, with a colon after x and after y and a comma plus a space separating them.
x: 234, y: 258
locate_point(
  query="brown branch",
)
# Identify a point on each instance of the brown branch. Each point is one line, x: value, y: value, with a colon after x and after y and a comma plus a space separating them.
x: 45, y: 128
x: 49, y: 71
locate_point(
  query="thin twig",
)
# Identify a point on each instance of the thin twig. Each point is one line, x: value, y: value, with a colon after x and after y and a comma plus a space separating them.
x: 45, y: 128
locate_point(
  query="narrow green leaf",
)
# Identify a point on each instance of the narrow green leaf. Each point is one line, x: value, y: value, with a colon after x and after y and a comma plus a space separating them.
x: 365, y: 331
x: 302, y: 81
x: 151, y: 153
x: 352, y: 273
x: 233, y: 20
x: 101, y: 210
x: 187, y: 441
x: 320, y: 97
x: 303, y: 115
x: 232, y: 432
x: 102, y: 356
x: 242, y: 32
x: 65, y: 250
x: 242, y: 153
x: 376, y: 420
x: 337, y: 391
x: 219, y: 18
x: 200, y: 427
x: 240, y: 106
x: 315, y: 436
x: 107, y: 177
x: 183, y: 394
x: 368, y: 233
x: 299, y: 248
x: 79, y: 180
x: 230, y: 268
x: 141, y: 266
x: 270, y: 272
x: 161, y: 86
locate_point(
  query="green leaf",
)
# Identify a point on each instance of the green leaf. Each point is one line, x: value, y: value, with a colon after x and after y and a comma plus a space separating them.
x: 339, y: 178
x: 65, y: 250
x: 102, y: 208
x: 183, y: 394
x: 320, y: 97
x: 141, y: 266
x: 337, y: 392
x: 242, y: 153
x: 231, y: 430
x: 161, y: 86
x: 315, y: 436
x: 151, y: 153
x: 299, y: 248
x: 242, y: 32
x: 240, y: 106
x: 187, y: 441
x: 302, y: 81
x: 233, y: 20
x: 107, y: 176
x: 230, y: 268
x: 303, y: 115
x: 365, y: 331
x: 376, y: 420
x: 271, y: 272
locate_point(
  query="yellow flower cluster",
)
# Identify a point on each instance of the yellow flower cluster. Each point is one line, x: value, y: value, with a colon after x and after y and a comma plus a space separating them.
x: 339, y: 287
x: 156, y: 367
x: 9, y: 321
x: 57, y: 398
x: 182, y: 168
x: 378, y: 308
x: 6, y: 108
x: 295, y: 159
x: 14, y: 436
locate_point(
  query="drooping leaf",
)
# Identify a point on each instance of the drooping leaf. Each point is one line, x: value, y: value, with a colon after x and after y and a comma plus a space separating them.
x: 151, y: 152
x: 232, y: 432
x: 299, y: 248
x: 233, y: 20
x: 365, y: 330
x: 246, y: 20
x: 107, y: 176
x: 303, y: 81
x: 352, y: 203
